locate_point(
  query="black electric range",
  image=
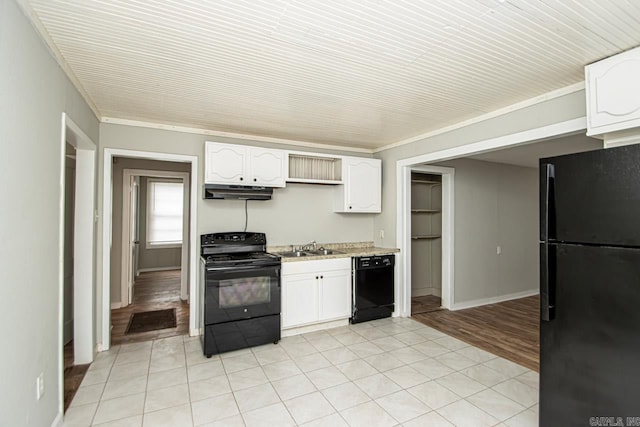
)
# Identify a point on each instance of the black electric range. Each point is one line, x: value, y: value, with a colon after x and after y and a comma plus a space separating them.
x: 240, y: 291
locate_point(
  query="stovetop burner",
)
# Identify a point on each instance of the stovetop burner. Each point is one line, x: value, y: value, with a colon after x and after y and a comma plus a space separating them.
x: 225, y: 250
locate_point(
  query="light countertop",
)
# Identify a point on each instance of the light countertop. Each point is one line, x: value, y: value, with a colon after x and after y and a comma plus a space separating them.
x: 349, y: 250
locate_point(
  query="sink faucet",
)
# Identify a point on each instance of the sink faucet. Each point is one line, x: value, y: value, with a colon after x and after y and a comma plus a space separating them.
x: 308, y: 246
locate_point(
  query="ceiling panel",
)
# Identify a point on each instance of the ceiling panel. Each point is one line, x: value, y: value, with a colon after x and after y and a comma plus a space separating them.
x: 357, y: 73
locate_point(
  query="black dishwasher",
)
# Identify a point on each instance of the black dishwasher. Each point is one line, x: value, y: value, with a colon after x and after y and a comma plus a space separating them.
x: 373, y: 287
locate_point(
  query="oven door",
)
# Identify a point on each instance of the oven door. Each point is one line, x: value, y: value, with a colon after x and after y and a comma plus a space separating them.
x: 241, y: 293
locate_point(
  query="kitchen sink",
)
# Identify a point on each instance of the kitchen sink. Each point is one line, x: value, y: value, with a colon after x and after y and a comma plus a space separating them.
x: 323, y: 251
x: 293, y: 254
x: 297, y: 254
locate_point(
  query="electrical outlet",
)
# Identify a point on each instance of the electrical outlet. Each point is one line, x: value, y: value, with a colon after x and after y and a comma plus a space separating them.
x: 40, y: 385
x: 381, y: 234
x: 498, y: 250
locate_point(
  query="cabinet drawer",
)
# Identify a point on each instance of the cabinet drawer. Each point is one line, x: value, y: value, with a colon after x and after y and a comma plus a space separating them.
x: 322, y: 265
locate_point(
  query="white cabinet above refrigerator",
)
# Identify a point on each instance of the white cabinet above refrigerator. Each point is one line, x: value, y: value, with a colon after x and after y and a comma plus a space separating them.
x: 613, y: 94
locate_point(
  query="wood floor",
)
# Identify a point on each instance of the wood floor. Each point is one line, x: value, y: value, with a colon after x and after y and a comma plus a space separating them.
x: 508, y: 329
x: 73, y: 375
x: 425, y: 304
x: 153, y: 291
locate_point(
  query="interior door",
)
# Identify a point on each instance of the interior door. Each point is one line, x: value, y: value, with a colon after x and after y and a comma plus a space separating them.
x: 133, y: 237
x: 136, y: 229
x: 69, y: 208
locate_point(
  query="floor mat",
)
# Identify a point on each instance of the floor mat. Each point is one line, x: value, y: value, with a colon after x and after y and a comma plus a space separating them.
x: 151, y: 321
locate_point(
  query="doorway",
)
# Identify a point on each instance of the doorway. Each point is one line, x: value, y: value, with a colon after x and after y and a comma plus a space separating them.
x: 124, y: 276
x: 77, y: 268
x: 419, y: 163
x: 155, y: 241
x: 426, y: 242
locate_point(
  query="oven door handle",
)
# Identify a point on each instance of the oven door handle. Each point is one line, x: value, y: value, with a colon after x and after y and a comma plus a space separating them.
x: 271, y: 268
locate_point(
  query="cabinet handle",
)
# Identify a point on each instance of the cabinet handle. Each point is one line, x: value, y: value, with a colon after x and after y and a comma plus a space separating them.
x: 241, y: 179
x: 322, y: 277
x: 350, y: 207
x: 316, y: 277
x: 254, y: 179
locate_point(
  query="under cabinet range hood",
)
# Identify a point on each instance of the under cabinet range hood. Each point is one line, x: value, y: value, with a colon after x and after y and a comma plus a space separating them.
x: 237, y: 192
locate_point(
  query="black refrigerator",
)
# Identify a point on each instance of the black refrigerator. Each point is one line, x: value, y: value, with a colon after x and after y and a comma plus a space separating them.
x: 590, y: 288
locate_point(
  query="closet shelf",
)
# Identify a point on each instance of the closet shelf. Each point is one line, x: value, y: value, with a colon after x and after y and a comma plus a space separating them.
x: 426, y: 237
x: 425, y: 211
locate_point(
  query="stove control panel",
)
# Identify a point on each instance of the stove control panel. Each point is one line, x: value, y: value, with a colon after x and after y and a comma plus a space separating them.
x: 232, y: 239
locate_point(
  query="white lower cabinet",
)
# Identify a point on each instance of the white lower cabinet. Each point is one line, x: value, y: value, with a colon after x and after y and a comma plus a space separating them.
x: 299, y: 299
x: 315, y: 291
x: 335, y: 295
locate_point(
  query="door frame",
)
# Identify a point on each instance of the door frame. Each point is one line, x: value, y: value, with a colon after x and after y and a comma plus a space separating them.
x: 84, y: 248
x: 403, y: 207
x: 127, y: 175
x: 447, y: 235
x: 107, y: 212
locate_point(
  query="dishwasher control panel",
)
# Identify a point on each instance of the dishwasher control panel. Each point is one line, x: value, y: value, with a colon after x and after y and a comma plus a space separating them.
x: 374, y: 261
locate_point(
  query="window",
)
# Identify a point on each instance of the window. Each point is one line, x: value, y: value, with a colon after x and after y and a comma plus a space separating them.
x: 164, y: 213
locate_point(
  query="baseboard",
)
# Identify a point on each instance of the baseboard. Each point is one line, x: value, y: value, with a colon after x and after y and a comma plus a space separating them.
x: 314, y: 327
x: 116, y: 305
x: 492, y: 300
x: 421, y: 292
x: 148, y: 270
x: 57, y: 421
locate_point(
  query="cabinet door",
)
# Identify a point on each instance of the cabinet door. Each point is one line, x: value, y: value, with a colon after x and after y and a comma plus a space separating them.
x: 267, y: 167
x: 225, y: 164
x: 299, y: 299
x: 335, y: 295
x: 363, y: 185
x: 613, y: 93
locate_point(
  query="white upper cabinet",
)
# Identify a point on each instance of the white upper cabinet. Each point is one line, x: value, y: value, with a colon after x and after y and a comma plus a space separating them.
x: 244, y: 165
x: 613, y: 93
x: 361, y: 191
x: 267, y: 167
x: 225, y: 163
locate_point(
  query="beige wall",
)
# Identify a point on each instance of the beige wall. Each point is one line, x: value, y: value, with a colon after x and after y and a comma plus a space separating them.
x: 34, y: 92
x: 495, y: 205
x: 545, y: 113
x: 119, y: 166
x: 296, y: 214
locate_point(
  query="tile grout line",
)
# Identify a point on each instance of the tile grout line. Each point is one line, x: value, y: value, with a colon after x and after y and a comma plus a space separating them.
x: 334, y: 363
x: 186, y: 368
x: 105, y: 386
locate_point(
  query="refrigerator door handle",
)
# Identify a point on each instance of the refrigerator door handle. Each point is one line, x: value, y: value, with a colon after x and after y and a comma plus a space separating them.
x: 547, y: 282
x: 547, y: 228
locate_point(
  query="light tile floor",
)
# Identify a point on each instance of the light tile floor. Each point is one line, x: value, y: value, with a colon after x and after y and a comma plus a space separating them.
x: 389, y: 372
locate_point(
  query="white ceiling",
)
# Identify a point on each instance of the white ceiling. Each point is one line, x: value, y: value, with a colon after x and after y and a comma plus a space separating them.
x: 358, y: 73
x: 529, y: 155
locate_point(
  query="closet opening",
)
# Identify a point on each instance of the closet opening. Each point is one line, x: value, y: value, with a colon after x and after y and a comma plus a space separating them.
x: 426, y: 242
